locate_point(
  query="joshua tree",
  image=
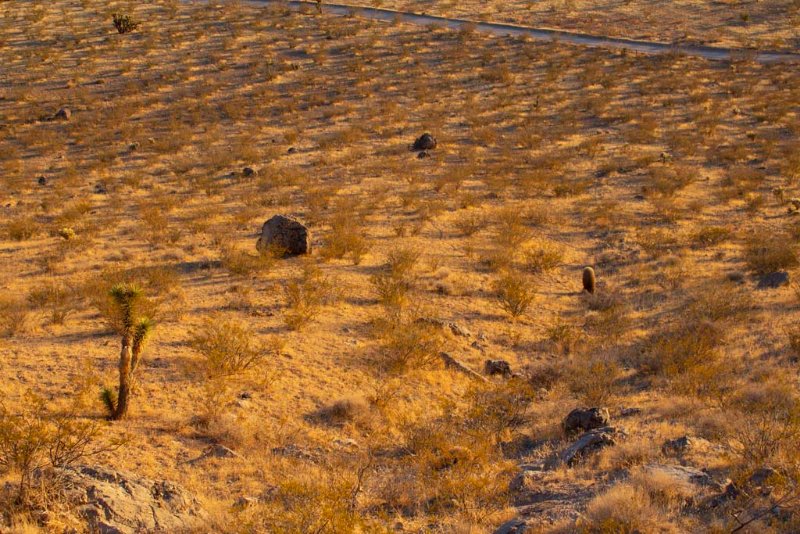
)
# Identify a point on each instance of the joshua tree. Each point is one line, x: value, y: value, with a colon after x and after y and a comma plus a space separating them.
x: 135, y: 330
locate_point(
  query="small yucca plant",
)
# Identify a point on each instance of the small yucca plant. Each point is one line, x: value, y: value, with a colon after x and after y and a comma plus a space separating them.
x: 124, y: 23
x: 135, y: 331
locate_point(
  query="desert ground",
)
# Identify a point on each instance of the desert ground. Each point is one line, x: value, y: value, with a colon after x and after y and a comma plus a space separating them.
x: 732, y: 23
x: 347, y: 389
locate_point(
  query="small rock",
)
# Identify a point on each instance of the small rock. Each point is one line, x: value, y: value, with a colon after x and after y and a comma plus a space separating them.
x: 629, y: 412
x: 736, y: 277
x: 762, y: 476
x: 245, y: 502
x: 583, y: 419
x: 215, y: 451
x: 346, y: 443
x: 245, y: 395
x: 248, y: 172
x: 515, y: 526
x: 63, y: 114
x: 291, y: 150
x: 424, y: 142
x: 100, y: 189
x: 42, y: 180
x: 497, y: 367
x: 773, y: 280
x: 678, y: 446
x: 685, y: 474
x: 289, y: 236
x: 524, y: 481
x: 133, y: 147
x: 589, y: 443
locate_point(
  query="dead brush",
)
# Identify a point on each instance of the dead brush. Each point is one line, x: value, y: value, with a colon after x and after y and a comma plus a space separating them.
x: 768, y: 424
x: 22, y: 228
x: 38, y: 437
x: 55, y: 299
x: 767, y: 251
x: 14, y: 315
x: 346, y: 238
x: 407, y: 344
x: 228, y: 347
x: 681, y: 349
x: 543, y: 256
x: 396, y: 278
x: 515, y: 293
x: 241, y: 263
x: 306, y: 296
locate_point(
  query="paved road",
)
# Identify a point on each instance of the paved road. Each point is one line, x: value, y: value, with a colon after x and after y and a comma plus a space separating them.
x: 647, y: 47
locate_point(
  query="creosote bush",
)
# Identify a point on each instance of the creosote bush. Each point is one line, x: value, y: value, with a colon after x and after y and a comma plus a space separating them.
x: 38, y: 437
x: 396, y: 278
x: 768, y: 252
x: 307, y: 295
x: 228, y: 347
x: 515, y: 293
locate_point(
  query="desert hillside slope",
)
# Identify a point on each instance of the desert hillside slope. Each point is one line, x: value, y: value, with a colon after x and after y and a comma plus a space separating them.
x: 348, y: 390
x: 732, y: 23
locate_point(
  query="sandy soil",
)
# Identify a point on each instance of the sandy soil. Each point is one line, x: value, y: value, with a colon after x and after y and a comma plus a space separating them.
x: 671, y: 176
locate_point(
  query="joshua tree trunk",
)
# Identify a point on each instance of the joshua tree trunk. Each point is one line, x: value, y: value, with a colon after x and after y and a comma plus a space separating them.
x: 125, y: 358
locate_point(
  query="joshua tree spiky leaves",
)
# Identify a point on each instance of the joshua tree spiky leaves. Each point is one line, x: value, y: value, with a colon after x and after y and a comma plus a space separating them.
x: 135, y: 331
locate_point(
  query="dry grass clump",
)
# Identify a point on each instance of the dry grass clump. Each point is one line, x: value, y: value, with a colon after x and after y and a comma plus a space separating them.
x: 228, y: 347
x: 54, y: 299
x: 396, y: 278
x: 346, y: 410
x: 407, y: 344
x: 14, y: 315
x: 40, y: 437
x: 306, y: 296
x: 624, y: 508
x: 515, y: 293
x: 768, y: 251
x: 668, y: 171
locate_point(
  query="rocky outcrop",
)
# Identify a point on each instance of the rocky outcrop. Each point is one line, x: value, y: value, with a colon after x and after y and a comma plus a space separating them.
x: 114, y: 502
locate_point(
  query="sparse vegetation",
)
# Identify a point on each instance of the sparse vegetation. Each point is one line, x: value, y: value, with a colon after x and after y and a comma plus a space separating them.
x: 412, y: 367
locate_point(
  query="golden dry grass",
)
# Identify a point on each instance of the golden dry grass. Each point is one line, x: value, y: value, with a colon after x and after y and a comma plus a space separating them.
x: 765, y: 24
x: 662, y: 172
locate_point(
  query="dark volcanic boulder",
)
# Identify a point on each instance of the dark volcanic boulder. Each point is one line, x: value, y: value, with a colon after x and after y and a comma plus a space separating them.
x: 582, y: 419
x: 63, y: 114
x: 285, y: 236
x: 497, y: 367
x: 424, y: 142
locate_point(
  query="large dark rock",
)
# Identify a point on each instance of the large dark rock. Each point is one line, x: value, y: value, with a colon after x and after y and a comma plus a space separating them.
x: 583, y: 419
x: 424, y: 142
x: 285, y: 236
